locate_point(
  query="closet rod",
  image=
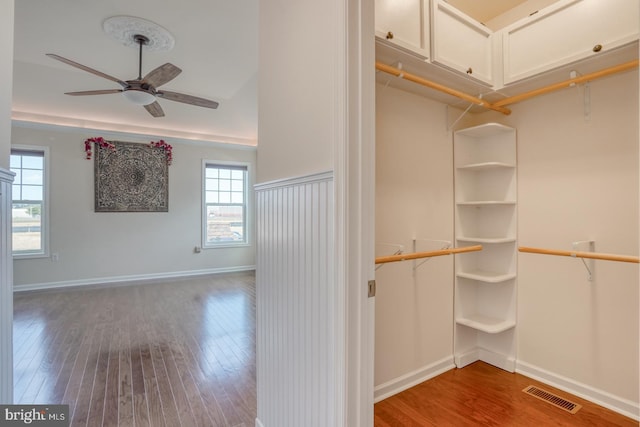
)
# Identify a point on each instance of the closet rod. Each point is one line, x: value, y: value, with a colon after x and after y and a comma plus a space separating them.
x: 581, y: 79
x: 417, y: 255
x: 428, y: 83
x: 576, y: 254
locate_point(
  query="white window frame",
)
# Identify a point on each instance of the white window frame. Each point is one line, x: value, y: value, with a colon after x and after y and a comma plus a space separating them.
x: 247, y: 206
x: 44, y: 231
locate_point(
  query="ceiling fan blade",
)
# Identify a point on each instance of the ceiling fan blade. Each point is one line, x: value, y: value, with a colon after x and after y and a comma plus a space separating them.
x: 154, y: 109
x: 87, y: 69
x: 187, y: 99
x: 161, y: 75
x: 94, y: 92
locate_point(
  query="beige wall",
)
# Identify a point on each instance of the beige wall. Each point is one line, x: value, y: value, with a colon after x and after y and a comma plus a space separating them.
x: 94, y: 245
x: 414, y: 199
x: 578, y: 179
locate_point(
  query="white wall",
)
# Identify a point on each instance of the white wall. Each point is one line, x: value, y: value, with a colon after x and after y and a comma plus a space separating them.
x: 414, y: 199
x: 6, y: 76
x: 6, y: 266
x: 105, y: 246
x: 316, y: 115
x: 577, y: 180
x: 296, y: 88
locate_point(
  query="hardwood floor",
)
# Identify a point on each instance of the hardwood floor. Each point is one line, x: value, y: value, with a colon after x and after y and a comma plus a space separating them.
x: 482, y: 395
x: 182, y: 353
x: 179, y: 353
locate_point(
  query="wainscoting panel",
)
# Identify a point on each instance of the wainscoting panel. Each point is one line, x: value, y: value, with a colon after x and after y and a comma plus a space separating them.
x: 295, y: 304
x: 6, y: 290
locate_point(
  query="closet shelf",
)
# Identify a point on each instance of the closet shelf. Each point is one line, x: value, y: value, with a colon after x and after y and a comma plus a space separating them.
x: 486, y: 203
x: 486, y: 276
x: 486, y: 324
x: 486, y: 165
x: 486, y: 239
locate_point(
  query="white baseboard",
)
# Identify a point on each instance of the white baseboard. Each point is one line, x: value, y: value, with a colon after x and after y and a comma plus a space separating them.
x: 411, y: 379
x: 258, y: 423
x: 498, y: 360
x: 623, y: 406
x: 130, y: 278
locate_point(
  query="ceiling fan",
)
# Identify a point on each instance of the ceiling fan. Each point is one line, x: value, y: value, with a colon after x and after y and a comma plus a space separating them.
x: 142, y: 90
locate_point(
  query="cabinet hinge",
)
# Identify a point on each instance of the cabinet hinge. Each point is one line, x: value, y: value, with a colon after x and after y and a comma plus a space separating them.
x: 372, y: 288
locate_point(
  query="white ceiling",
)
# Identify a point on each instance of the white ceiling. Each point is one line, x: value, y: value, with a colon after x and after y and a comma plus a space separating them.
x: 484, y: 10
x: 216, y: 46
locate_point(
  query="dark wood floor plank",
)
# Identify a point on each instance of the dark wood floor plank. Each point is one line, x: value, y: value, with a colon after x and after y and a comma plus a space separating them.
x: 154, y: 402
x: 125, y: 386
x: 82, y: 365
x: 83, y: 403
x: 112, y: 381
x: 183, y: 404
x: 40, y: 367
x: 99, y: 389
x: 203, y: 381
x: 165, y: 391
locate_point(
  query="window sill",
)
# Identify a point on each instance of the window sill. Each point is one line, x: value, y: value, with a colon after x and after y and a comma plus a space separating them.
x: 17, y: 257
x: 227, y: 245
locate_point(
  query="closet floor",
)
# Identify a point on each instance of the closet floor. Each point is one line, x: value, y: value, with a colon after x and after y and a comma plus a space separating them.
x: 482, y: 395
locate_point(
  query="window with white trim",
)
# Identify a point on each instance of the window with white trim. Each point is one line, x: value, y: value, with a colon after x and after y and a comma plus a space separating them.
x: 30, y: 201
x: 224, y: 204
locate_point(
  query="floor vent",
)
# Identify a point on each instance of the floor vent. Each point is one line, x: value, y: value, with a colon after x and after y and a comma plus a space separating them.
x: 553, y: 399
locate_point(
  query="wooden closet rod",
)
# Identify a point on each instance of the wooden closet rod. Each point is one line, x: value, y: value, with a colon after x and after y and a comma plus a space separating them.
x: 417, y: 255
x: 592, y: 255
x: 428, y: 83
x: 581, y: 79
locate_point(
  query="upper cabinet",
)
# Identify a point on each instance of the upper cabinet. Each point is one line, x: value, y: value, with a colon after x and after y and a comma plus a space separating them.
x: 435, y: 40
x: 405, y: 24
x: 565, y: 32
x: 461, y: 43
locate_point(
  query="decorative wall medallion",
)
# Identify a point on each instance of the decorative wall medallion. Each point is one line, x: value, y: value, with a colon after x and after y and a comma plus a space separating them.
x: 131, y: 178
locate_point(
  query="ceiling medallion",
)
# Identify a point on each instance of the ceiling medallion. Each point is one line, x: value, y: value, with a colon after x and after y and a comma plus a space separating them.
x: 125, y: 28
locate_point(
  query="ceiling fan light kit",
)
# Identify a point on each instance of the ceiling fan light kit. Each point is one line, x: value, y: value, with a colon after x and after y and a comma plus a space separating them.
x: 142, y: 90
x: 139, y: 97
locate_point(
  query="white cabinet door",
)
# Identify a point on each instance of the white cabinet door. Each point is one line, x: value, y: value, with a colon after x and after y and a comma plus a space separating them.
x: 405, y: 23
x: 461, y: 43
x: 565, y: 32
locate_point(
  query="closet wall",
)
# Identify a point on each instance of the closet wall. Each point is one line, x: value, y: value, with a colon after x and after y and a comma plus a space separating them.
x: 414, y: 200
x: 578, y: 179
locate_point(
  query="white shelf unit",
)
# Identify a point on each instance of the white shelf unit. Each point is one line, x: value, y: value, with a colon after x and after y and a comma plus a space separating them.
x: 486, y: 213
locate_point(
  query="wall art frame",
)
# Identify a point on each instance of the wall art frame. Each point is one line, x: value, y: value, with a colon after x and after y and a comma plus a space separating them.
x: 132, y: 177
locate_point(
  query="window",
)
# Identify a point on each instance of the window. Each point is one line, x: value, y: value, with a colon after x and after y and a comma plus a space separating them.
x: 30, y: 204
x: 225, y: 204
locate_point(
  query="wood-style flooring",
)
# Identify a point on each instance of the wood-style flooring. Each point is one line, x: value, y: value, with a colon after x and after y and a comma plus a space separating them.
x: 482, y: 395
x: 182, y: 353
x: 179, y: 353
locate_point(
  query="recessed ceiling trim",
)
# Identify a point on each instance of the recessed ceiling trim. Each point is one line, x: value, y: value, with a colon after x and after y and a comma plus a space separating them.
x: 124, y: 28
x: 28, y: 119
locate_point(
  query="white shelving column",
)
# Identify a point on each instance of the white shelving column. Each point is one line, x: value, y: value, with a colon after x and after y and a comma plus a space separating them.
x: 485, y: 285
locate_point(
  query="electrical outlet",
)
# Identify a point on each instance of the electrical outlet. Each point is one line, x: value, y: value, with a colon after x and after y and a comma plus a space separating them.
x: 55, y: 257
x: 197, y: 249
